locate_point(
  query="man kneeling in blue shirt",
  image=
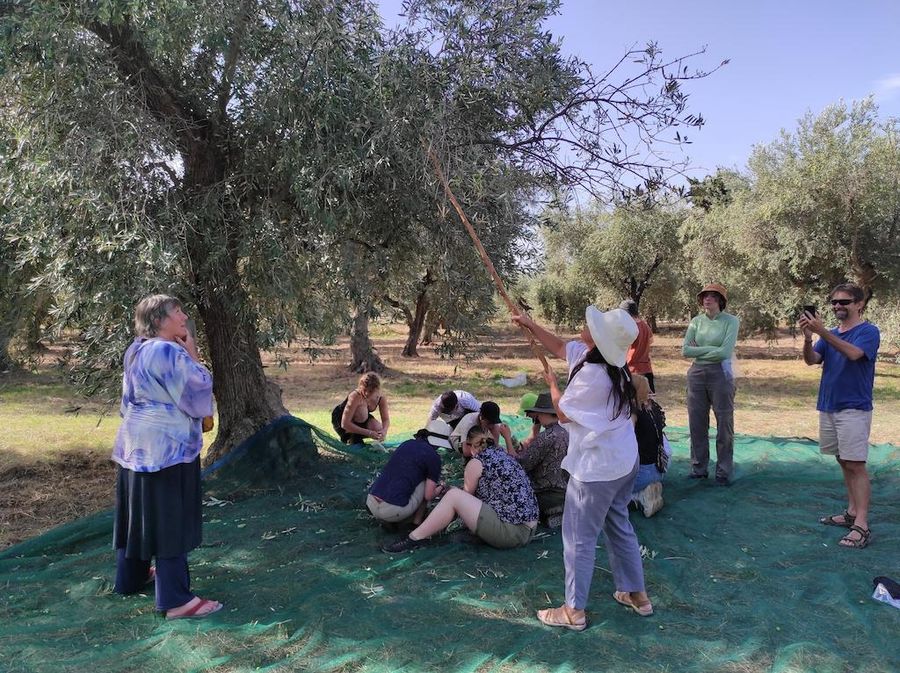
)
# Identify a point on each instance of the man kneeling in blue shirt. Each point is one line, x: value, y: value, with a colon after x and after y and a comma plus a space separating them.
x: 411, y: 478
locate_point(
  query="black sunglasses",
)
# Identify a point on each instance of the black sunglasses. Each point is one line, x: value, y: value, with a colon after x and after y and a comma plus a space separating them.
x: 841, y: 302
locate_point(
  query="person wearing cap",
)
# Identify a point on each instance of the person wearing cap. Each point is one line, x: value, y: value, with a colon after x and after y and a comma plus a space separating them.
x: 601, y: 459
x: 542, y: 457
x: 638, y: 357
x: 452, y: 405
x: 709, y: 341
x: 496, y: 502
x: 411, y: 478
x: 488, y: 418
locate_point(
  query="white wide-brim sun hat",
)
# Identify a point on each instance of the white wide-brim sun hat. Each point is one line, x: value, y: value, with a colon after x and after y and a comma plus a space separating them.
x: 613, y: 333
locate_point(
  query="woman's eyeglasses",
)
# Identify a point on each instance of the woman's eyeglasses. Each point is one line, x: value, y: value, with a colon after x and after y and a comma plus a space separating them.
x: 841, y: 302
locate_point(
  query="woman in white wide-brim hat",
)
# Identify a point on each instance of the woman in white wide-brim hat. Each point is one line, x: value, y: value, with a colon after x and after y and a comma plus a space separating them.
x: 602, y: 461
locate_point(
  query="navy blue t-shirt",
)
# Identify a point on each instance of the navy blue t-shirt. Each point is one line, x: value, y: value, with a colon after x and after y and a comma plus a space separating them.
x: 411, y: 463
x: 846, y: 383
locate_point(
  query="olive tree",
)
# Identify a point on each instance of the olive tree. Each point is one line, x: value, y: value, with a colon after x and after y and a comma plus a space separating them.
x: 236, y: 152
x: 818, y: 206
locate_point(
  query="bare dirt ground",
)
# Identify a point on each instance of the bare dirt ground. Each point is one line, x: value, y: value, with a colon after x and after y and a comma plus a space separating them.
x: 776, y: 397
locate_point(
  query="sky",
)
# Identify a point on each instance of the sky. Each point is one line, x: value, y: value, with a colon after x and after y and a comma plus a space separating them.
x: 787, y: 57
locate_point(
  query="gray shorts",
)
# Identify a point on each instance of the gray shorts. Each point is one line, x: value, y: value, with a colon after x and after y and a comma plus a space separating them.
x: 385, y: 511
x: 500, y: 534
x: 845, y: 434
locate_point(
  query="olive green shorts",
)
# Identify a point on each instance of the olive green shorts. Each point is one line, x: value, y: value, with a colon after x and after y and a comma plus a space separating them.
x: 500, y: 534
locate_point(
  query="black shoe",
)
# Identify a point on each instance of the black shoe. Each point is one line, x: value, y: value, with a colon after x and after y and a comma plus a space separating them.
x: 694, y: 475
x: 723, y: 481
x: 402, y: 544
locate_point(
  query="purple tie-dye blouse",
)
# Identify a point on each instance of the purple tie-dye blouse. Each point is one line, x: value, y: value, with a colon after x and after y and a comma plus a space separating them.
x: 165, y: 394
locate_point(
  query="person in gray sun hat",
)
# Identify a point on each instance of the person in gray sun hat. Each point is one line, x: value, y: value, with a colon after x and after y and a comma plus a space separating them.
x: 542, y: 457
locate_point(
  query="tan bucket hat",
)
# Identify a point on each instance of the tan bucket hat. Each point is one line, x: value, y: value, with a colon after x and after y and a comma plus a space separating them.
x: 713, y: 287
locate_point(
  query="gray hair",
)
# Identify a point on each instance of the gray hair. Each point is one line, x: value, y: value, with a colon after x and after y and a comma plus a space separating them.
x: 151, y: 311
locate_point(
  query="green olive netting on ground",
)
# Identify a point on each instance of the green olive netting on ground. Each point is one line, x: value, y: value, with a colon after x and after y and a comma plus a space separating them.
x: 743, y: 579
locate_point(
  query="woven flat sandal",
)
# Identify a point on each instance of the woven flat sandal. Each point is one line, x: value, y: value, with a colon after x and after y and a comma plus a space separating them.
x: 561, y: 617
x: 850, y: 540
x: 844, y: 520
x: 624, y: 598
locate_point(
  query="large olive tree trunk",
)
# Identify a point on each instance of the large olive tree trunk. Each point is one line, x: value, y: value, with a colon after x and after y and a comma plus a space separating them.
x: 245, y: 399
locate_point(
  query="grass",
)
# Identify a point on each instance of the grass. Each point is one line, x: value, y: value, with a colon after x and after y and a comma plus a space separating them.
x: 53, y: 440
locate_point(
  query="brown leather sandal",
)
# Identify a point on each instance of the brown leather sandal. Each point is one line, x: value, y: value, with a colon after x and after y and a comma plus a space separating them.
x: 844, y: 520
x: 560, y: 617
x: 861, y: 542
x: 624, y: 598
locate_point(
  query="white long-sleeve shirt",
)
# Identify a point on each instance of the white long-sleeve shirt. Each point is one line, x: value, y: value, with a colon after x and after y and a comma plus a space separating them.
x: 602, y: 444
x: 465, y: 403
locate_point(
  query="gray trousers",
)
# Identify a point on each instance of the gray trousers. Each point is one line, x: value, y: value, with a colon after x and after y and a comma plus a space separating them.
x: 592, y: 506
x: 708, y: 386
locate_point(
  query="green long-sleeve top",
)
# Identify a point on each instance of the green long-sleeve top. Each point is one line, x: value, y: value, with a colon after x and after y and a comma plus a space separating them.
x: 715, y: 338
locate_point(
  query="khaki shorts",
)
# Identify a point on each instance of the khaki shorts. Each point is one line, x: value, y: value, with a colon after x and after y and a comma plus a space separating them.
x: 385, y: 511
x: 499, y: 534
x: 845, y: 434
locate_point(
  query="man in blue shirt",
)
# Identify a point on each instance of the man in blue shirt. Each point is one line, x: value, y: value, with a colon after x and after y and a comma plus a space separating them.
x: 847, y: 355
x: 411, y: 478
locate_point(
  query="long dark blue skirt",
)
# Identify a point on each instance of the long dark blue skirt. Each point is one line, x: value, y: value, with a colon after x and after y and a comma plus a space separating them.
x: 158, y: 513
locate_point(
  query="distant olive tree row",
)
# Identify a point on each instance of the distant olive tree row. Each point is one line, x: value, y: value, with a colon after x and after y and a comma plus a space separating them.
x: 818, y: 206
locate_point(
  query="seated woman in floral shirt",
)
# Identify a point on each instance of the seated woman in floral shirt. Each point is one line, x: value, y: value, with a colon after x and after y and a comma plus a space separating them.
x: 496, y: 502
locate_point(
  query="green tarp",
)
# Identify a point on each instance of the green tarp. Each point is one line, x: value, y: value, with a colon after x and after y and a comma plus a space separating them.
x: 743, y: 579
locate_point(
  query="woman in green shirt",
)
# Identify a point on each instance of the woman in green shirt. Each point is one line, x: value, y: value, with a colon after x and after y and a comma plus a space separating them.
x: 710, y: 341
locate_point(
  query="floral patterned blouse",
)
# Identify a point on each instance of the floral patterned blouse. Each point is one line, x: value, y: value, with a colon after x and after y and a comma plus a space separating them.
x: 504, y: 486
x: 542, y: 458
x: 165, y: 395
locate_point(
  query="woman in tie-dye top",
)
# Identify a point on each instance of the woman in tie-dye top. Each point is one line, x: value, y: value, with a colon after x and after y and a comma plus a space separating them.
x: 166, y: 392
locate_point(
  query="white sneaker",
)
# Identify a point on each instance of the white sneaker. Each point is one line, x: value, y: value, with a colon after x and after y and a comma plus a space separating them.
x: 650, y: 499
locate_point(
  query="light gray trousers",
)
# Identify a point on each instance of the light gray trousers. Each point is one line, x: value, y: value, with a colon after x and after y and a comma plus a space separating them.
x: 592, y: 506
x: 709, y: 386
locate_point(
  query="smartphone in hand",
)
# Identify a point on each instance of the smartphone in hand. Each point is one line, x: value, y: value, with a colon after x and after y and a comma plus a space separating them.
x: 810, y: 308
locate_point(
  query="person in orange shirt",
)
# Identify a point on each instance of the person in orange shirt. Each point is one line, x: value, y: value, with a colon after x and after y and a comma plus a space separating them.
x: 638, y: 358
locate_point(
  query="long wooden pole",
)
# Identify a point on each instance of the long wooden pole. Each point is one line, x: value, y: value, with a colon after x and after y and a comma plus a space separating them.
x: 501, y: 288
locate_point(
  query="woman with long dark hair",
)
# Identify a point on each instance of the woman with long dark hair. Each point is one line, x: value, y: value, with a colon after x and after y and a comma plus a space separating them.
x: 602, y: 461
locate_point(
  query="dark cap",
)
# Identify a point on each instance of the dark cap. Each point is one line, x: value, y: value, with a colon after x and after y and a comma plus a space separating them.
x: 490, y: 411
x: 629, y: 305
x: 543, y: 405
